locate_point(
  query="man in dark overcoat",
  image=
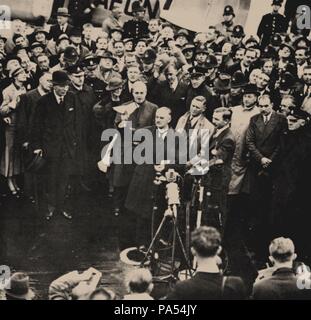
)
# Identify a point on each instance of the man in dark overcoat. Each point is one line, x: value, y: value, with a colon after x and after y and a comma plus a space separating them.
x: 55, y: 137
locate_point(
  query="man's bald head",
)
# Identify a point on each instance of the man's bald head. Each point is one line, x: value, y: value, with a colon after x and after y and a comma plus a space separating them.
x: 163, y: 117
x: 139, y: 91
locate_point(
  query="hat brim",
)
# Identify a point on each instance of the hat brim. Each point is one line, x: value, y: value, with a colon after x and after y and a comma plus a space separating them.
x: 62, y: 15
x: 27, y: 296
x: 114, y: 60
x: 109, y: 88
x: 65, y: 83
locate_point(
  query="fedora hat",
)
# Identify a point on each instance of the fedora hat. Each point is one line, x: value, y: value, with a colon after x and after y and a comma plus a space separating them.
x: 115, y: 83
x: 60, y: 78
x: 222, y: 83
x: 251, y: 88
x: 107, y: 55
x: 18, y: 287
x: 238, y: 80
x: 63, y: 12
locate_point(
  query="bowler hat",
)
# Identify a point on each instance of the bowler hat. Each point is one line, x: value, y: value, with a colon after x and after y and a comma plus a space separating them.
x: 238, y: 80
x: 75, y: 32
x: 18, y: 287
x: 251, y: 88
x: 277, y: 2
x: 63, y: 12
x: 222, y: 83
x: 228, y: 11
x: 37, y: 45
x: 60, y: 78
x: 115, y: 83
x: 107, y: 55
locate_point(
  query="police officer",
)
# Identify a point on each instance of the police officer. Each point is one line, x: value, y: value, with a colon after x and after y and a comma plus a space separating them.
x: 137, y: 27
x: 272, y: 23
x: 90, y: 64
x: 226, y: 26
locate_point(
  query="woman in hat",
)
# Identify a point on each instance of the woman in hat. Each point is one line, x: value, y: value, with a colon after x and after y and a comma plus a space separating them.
x: 10, y: 165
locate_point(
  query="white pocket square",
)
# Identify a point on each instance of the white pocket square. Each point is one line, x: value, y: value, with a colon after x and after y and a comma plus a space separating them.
x: 70, y: 109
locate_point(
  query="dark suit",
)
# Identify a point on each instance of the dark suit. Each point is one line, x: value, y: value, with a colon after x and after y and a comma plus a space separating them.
x: 141, y: 193
x: 25, y: 119
x: 135, y: 29
x: 218, y: 178
x: 263, y: 141
x: 55, y: 132
x: 237, y: 67
x: 208, y: 94
x: 282, y: 285
x: 55, y: 31
x: 90, y: 46
x: 208, y: 286
x: 142, y: 117
x: 163, y: 95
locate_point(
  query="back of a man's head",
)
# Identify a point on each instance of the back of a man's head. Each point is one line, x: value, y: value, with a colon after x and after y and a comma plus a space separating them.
x: 206, y: 241
x: 139, y: 281
x: 282, y: 250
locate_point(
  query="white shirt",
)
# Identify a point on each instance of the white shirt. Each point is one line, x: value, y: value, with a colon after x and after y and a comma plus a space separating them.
x: 58, y: 98
x: 162, y: 133
x: 267, y: 118
x: 63, y: 27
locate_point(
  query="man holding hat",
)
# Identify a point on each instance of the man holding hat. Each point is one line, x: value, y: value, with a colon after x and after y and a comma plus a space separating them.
x: 56, y: 138
x: 272, y: 23
x: 137, y: 27
x: 62, y: 25
x: 226, y: 26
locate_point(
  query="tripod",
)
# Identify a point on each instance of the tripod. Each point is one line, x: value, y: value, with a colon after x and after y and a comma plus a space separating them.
x: 172, y: 195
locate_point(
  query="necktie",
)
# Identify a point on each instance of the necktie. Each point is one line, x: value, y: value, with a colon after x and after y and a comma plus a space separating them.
x: 61, y: 100
x: 265, y: 119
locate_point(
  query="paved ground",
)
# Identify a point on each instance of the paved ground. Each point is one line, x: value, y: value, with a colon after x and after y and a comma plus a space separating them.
x: 48, y: 249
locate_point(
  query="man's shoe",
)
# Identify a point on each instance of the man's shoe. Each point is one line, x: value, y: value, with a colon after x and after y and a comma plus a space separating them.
x: 67, y: 215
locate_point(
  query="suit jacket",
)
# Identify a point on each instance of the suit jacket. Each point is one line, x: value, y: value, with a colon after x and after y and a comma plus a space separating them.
x: 25, y: 114
x: 199, y: 138
x: 54, y: 129
x: 237, y: 67
x: 282, y: 285
x: 142, y: 117
x: 264, y: 140
x: 141, y: 190
x: 208, y: 94
x: 175, y: 100
x: 91, y: 47
x: 208, y: 286
x: 222, y: 148
x: 55, y: 31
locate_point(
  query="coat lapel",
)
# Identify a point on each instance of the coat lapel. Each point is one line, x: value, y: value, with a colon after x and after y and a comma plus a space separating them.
x: 269, y: 127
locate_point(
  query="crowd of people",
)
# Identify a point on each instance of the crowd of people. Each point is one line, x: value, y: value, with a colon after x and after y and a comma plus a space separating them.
x: 61, y: 88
